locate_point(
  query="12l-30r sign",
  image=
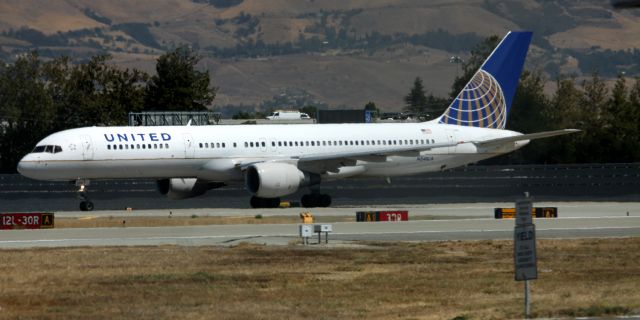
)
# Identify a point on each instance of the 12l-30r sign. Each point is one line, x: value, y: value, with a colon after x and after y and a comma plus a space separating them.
x: 31, y: 220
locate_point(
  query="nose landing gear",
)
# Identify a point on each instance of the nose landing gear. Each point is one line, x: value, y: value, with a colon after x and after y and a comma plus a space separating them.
x: 85, y: 203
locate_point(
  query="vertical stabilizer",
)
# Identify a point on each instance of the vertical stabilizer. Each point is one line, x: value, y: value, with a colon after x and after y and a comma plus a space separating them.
x: 486, y: 100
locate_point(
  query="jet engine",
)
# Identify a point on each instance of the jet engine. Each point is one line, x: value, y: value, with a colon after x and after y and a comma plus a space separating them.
x: 182, y: 188
x: 276, y: 179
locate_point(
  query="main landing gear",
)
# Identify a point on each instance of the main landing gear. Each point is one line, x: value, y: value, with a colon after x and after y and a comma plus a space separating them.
x: 85, y: 203
x: 313, y: 200
x: 257, y: 202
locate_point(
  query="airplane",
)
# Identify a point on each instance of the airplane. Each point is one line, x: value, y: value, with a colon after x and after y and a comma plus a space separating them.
x: 273, y: 161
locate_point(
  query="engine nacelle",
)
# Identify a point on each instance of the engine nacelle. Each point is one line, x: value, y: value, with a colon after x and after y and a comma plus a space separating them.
x: 182, y: 188
x: 276, y: 179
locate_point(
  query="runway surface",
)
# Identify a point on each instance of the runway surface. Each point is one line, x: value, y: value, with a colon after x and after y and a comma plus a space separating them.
x: 452, y: 222
x: 584, y: 182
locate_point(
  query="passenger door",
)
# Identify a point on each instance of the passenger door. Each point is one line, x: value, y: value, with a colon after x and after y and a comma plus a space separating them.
x: 87, y: 147
x: 189, y: 147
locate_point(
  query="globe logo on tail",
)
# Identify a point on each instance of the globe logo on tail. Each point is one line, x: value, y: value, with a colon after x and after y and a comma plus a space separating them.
x: 480, y: 104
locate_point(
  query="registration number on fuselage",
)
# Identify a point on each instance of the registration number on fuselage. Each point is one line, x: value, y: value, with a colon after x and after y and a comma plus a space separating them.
x: 425, y: 158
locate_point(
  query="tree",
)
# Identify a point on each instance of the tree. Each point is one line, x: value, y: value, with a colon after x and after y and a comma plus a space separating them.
x: 98, y: 93
x: 371, y: 106
x: 478, y: 54
x: 565, y: 112
x: 416, y: 100
x: 623, y: 126
x: 26, y: 110
x: 634, y: 117
x: 177, y: 86
x: 38, y: 98
x: 528, y: 114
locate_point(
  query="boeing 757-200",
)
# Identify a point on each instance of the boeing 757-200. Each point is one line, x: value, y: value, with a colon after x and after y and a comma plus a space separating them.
x: 276, y: 160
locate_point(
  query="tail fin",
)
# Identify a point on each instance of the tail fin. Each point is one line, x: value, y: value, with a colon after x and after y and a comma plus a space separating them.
x: 485, y: 101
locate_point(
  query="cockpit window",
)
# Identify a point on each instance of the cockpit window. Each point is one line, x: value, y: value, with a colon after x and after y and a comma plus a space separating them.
x: 47, y: 149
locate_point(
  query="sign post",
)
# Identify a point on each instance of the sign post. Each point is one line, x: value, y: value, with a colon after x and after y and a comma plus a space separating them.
x: 524, y: 248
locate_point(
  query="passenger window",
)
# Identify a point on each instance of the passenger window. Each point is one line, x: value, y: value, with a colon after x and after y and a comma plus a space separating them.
x: 144, y: 146
x: 126, y: 146
x: 137, y: 146
x: 155, y: 146
x: 108, y: 147
x: 206, y: 144
x: 223, y: 145
x: 264, y: 144
x: 166, y: 145
x: 120, y: 147
x: 161, y: 146
x: 235, y: 145
x: 200, y: 145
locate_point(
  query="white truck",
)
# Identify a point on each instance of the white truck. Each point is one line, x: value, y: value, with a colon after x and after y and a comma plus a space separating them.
x: 288, y: 115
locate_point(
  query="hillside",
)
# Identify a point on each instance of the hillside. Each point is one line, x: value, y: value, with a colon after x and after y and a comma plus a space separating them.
x: 331, y: 52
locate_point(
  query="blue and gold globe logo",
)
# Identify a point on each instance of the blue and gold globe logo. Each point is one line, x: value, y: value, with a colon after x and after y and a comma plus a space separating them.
x: 480, y: 104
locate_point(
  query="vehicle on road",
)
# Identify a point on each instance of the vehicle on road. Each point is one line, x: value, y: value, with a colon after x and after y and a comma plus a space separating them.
x: 287, y: 115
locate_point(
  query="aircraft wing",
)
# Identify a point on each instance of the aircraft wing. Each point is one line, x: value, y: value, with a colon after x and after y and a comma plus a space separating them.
x: 379, y: 154
x: 531, y: 136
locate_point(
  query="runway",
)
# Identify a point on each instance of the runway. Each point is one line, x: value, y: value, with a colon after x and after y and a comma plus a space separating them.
x: 472, y: 184
x: 452, y: 222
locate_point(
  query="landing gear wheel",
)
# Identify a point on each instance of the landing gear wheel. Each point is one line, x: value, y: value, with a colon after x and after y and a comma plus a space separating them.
x: 324, y: 200
x: 85, y: 203
x: 313, y: 200
x: 86, y: 206
x: 257, y: 202
x: 307, y: 201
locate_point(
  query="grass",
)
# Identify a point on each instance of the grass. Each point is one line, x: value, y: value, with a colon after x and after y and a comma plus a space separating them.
x: 192, y: 220
x: 435, y: 280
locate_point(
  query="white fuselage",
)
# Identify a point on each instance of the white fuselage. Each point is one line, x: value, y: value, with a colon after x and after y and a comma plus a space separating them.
x: 214, y: 153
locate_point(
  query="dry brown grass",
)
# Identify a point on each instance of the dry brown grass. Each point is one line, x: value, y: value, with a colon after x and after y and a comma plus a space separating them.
x: 195, y: 220
x: 415, y: 281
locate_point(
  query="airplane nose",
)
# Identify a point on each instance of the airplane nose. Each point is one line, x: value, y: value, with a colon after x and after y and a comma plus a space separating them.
x: 27, y: 166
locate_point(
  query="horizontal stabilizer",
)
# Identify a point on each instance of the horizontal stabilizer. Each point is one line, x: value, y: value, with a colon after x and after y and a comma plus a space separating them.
x: 523, y: 137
